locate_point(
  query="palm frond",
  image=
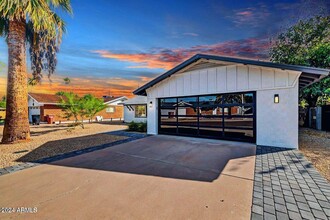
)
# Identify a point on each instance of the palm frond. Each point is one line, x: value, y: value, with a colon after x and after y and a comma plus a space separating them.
x: 63, y: 4
x: 4, y: 27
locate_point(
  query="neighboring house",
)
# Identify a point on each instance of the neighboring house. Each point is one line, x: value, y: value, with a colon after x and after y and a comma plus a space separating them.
x: 115, y: 109
x: 135, y: 109
x: 42, y: 105
x: 229, y: 98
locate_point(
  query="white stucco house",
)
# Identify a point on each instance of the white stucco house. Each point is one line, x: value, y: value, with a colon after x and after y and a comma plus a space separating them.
x: 135, y: 109
x: 229, y: 98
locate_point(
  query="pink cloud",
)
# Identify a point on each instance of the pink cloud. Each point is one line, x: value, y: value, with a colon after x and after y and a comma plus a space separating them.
x: 252, y: 16
x: 253, y: 48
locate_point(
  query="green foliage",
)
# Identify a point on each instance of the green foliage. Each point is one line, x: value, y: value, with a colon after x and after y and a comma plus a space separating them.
x: 67, y: 80
x: 140, y: 126
x: 307, y: 43
x: 70, y: 104
x: 318, y: 93
x: 3, y: 102
x: 44, y: 30
x: 92, y: 105
x: 303, y: 43
x: 77, y: 107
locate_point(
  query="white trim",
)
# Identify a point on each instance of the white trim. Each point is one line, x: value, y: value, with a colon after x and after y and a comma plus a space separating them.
x: 114, y: 100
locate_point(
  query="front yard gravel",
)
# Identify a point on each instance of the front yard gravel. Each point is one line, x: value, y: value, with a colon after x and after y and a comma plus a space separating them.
x: 50, y: 140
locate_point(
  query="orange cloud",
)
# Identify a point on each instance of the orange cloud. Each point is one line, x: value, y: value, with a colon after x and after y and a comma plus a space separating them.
x: 98, y: 86
x: 147, y: 60
x: 256, y: 48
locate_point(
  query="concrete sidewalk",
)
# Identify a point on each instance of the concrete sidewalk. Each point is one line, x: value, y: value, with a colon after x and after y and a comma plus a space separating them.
x: 158, y: 177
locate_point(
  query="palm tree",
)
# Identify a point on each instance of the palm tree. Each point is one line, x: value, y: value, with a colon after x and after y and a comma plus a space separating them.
x: 67, y: 80
x: 15, y: 17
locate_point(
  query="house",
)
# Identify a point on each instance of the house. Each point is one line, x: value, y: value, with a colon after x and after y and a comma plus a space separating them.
x: 229, y: 98
x: 135, y: 109
x: 115, y: 109
x: 43, y: 105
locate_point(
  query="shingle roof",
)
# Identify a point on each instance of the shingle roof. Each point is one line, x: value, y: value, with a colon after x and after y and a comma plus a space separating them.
x: 110, y: 98
x: 136, y: 100
x: 308, y: 76
x: 45, y: 98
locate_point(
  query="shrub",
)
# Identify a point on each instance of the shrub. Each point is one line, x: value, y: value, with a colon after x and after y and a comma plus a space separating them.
x: 140, y: 126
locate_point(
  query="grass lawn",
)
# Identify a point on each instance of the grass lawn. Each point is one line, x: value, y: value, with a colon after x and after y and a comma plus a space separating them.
x: 50, y: 140
x: 316, y: 147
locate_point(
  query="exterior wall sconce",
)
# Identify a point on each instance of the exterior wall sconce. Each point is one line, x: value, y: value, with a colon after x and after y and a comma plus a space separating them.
x: 276, y: 98
x: 150, y: 104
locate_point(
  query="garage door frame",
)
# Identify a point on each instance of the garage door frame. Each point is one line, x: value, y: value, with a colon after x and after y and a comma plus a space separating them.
x: 222, y: 106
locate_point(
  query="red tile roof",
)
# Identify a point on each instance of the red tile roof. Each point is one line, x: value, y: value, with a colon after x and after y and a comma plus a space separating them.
x: 45, y: 98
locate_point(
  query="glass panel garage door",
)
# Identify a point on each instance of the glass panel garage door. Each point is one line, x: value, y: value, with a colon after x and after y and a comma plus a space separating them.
x: 222, y: 116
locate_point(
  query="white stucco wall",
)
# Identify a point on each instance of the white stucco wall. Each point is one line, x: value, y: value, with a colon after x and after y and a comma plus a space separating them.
x: 129, y: 116
x: 34, y: 108
x: 152, y: 116
x: 277, y: 124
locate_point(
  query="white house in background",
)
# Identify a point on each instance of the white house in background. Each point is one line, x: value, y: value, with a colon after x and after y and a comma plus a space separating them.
x: 135, y: 109
x: 229, y: 98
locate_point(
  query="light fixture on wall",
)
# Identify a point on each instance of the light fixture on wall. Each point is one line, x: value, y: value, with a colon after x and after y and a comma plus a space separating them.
x: 276, y: 98
x: 150, y: 104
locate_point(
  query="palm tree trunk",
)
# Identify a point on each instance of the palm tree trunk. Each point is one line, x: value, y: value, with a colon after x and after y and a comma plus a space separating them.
x: 17, y: 122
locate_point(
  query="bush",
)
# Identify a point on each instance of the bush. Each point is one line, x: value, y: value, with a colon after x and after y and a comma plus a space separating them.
x: 140, y: 126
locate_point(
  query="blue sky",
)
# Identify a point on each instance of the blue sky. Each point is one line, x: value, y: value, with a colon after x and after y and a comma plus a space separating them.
x: 118, y: 45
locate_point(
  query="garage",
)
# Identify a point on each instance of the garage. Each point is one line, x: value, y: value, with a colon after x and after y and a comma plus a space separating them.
x: 229, y: 98
x: 222, y: 116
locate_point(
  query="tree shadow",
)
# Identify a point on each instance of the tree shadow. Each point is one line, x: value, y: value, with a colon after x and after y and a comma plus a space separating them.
x: 293, y: 158
x: 43, y: 132
x: 161, y: 156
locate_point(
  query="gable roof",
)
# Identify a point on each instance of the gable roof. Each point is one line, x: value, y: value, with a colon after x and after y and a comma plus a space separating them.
x: 136, y: 100
x: 45, y: 98
x: 309, y: 74
x: 111, y: 99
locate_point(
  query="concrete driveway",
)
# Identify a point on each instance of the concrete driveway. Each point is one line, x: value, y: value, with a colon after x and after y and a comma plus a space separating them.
x: 158, y: 177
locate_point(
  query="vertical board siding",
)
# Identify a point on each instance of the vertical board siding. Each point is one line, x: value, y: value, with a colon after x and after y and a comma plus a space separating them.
x: 195, y: 81
x: 179, y: 85
x: 281, y: 78
x: 203, y: 81
x: 211, y: 80
x: 242, y: 78
x: 187, y: 83
x: 267, y: 78
x: 231, y: 78
x: 223, y: 79
x: 254, y: 78
x: 173, y: 87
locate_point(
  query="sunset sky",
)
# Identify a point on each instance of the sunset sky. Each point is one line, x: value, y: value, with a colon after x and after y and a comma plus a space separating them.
x: 112, y: 47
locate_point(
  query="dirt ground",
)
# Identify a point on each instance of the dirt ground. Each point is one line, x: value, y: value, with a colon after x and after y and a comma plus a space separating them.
x: 50, y: 140
x: 316, y: 147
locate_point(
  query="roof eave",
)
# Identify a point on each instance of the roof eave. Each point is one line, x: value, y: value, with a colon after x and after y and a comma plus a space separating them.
x: 310, y: 70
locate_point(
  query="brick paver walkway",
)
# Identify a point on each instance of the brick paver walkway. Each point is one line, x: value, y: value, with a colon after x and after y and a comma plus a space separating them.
x: 287, y: 186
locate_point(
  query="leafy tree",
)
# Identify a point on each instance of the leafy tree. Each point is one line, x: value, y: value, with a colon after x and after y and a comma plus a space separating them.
x: 15, y: 16
x: 306, y: 43
x: 71, y: 105
x: 67, y: 80
x: 80, y: 107
x: 3, y: 102
x: 92, y: 106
